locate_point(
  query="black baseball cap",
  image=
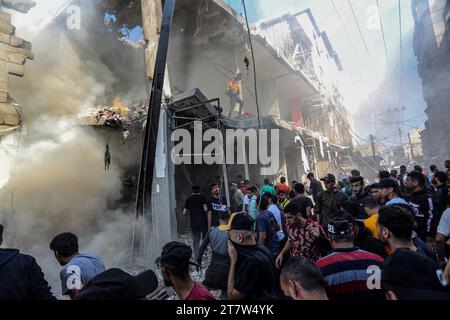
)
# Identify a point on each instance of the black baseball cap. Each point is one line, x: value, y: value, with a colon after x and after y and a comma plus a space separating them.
x: 387, y: 183
x: 329, y: 177
x: 339, y: 226
x: 239, y: 221
x: 412, y: 276
x: 175, y: 254
x: 116, y: 284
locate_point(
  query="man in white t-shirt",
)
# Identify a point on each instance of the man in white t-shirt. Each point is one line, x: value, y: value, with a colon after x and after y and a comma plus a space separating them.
x: 443, y: 234
x: 277, y: 214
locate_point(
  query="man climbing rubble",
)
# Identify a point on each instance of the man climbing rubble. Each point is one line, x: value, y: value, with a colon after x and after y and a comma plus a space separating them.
x: 233, y: 91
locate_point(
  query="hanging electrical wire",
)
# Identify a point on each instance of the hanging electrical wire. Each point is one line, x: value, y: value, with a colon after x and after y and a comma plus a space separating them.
x: 385, y: 49
x: 359, y: 28
x: 345, y: 28
x: 254, y: 63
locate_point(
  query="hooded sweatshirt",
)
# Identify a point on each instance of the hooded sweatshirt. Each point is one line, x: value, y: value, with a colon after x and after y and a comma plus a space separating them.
x: 21, y: 278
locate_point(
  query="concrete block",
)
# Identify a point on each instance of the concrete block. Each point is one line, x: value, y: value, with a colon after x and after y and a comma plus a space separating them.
x: 17, y: 58
x: 5, y: 38
x: 6, y: 28
x: 3, y: 97
x: 16, y: 69
x: 16, y: 41
x: 4, y: 86
x: 5, y: 17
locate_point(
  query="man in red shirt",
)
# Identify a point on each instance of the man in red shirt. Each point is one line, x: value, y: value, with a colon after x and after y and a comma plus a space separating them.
x: 174, y: 264
x: 282, y: 186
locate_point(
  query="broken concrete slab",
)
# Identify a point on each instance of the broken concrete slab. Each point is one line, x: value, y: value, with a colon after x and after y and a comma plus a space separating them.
x: 19, y: 5
x: 5, y: 17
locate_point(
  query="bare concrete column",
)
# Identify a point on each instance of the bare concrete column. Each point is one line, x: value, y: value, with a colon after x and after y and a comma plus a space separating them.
x: 151, y: 23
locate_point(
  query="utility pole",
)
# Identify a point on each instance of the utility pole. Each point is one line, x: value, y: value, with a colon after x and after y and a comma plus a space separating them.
x: 372, y: 142
x: 145, y: 182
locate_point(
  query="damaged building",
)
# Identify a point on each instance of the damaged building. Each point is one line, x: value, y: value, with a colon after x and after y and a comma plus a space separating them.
x: 298, y: 84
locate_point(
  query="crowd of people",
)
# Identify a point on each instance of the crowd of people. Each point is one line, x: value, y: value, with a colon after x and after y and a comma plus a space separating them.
x: 333, y: 239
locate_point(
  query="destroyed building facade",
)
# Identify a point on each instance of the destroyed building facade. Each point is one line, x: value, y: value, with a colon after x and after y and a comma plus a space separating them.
x: 297, y: 83
x: 432, y: 48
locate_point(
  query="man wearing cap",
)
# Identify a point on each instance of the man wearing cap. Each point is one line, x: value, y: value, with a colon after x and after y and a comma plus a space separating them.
x: 174, y: 264
x: 116, y: 284
x: 346, y: 268
x: 390, y: 193
x: 329, y: 201
x: 408, y: 275
x: 252, y: 270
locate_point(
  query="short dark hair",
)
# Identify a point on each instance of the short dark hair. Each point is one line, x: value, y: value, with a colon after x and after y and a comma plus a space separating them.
x: 306, y: 273
x: 283, y: 180
x: 299, y: 188
x: 355, y: 173
x: 66, y: 244
x: 433, y: 167
x: 418, y: 168
x: 418, y: 177
x: 357, y: 179
x: 281, y: 191
x: 291, y: 208
x: 292, y: 194
x: 224, y: 215
x: 310, y: 175
x: 397, y: 220
x: 1, y: 233
x: 214, y: 184
x: 394, y: 173
x: 370, y: 203
x: 266, y: 181
x: 263, y: 203
x: 195, y: 189
x: 441, y: 176
x: 384, y: 174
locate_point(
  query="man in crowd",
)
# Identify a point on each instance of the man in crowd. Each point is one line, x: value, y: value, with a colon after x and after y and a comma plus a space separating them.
x: 374, y: 191
x: 315, y: 187
x: 216, y: 276
x: 79, y: 268
x: 424, y: 205
x: 252, y: 194
x: 304, y: 235
x: 21, y: 278
x: 282, y: 186
x: 252, y: 269
x: 443, y: 234
x: 174, y: 265
x: 345, y: 268
x: 273, y: 208
x: 267, y: 188
x: 402, y: 177
x: 215, y: 206
x: 301, y: 280
x: 267, y: 228
x: 244, y: 185
x: 395, y: 230
x: 358, y: 195
x: 440, y: 181
x: 408, y: 275
x: 303, y: 202
x: 371, y: 206
x: 431, y: 173
x: 282, y: 200
x: 197, y: 208
x: 329, y: 201
x: 389, y: 193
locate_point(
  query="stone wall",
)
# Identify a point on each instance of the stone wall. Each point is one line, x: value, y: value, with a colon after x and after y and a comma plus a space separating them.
x: 14, y: 52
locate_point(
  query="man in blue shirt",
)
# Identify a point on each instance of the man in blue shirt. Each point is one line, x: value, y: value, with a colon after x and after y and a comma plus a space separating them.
x: 79, y: 268
x: 267, y: 228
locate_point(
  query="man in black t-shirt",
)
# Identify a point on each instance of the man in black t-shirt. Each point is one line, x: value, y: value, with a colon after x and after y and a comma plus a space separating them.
x: 197, y: 208
x: 315, y: 187
x: 215, y: 206
x: 252, y: 273
x: 303, y: 202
